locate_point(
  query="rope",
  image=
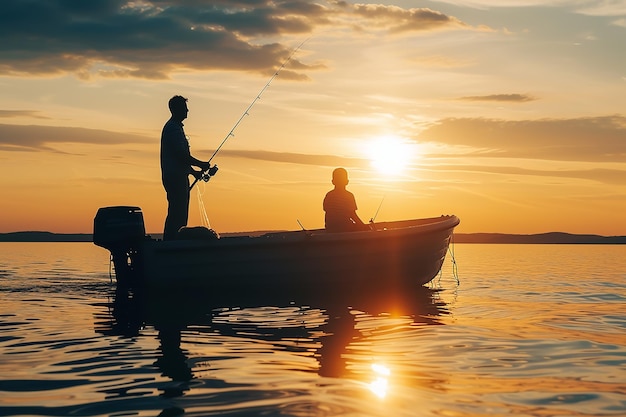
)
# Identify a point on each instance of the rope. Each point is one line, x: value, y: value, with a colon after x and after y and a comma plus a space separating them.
x: 455, y: 270
x: 111, y: 268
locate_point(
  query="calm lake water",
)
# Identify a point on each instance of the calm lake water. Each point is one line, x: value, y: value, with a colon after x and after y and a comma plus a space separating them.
x: 530, y: 330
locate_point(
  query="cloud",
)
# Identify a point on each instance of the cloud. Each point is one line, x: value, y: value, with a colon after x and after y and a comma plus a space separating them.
x: 7, y: 114
x: 296, y: 158
x: 483, y: 4
x: 153, y: 39
x: 515, y: 98
x: 588, y: 7
x: 594, y: 139
x: 603, y: 8
x: 606, y: 176
x: 398, y: 20
x: 439, y: 61
x: 34, y: 138
x: 39, y: 138
x: 620, y: 22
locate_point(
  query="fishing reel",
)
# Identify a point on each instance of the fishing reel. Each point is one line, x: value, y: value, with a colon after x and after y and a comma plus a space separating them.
x: 206, y: 175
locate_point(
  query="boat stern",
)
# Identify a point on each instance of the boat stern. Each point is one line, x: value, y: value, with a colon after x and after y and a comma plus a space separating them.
x: 121, y: 230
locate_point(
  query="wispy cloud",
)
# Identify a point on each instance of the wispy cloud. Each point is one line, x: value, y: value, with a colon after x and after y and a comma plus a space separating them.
x: 603, y: 8
x: 398, y: 20
x: 8, y: 114
x: 296, y: 158
x: 606, y: 176
x: 589, y: 7
x: 34, y: 138
x: 40, y: 138
x: 152, y: 39
x: 515, y: 98
x: 595, y: 139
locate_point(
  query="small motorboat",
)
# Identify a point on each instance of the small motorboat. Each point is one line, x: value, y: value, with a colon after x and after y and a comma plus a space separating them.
x: 391, y: 255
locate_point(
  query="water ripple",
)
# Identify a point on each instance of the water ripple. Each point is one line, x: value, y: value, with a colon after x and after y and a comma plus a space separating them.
x: 530, y: 331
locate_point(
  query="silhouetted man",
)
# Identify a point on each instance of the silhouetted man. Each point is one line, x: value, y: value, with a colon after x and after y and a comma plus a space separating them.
x: 176, y: 166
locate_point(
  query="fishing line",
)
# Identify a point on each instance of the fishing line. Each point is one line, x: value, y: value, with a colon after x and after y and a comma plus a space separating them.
x: 205, y: 177
x: 205, y: 174
x: 204, y: 218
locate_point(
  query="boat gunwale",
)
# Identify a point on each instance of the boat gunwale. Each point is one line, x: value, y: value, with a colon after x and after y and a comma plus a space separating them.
x: 425, y: 226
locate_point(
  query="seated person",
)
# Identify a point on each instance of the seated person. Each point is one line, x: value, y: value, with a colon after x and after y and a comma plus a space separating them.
x: 340, y: 206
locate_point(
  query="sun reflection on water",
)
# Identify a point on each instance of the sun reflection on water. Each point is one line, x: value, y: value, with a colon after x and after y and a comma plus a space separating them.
x: 380, y: 385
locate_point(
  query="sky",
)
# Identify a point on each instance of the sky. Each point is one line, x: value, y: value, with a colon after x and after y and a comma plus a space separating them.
x: 509, y: 114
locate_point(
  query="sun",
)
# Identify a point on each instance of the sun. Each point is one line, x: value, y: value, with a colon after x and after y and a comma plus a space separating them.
x: 390, y: 155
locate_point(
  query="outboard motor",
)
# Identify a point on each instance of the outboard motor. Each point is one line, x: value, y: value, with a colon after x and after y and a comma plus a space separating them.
x: 120, y: 229
x: 118, y: 226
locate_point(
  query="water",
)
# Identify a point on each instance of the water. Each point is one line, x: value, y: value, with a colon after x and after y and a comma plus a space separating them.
x: 531, y: 330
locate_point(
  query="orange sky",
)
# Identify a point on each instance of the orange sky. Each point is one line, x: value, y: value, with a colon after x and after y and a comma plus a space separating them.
x: 511, y: 117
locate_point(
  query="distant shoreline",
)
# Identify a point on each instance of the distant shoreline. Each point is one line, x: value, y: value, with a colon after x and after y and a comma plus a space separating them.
x: 503, y: 238
x: 540, y: 238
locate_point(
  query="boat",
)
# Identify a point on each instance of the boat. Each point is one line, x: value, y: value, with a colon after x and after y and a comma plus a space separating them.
x: 391, y: 255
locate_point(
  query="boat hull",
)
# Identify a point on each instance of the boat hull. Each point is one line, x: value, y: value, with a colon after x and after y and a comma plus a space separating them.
x: 393, y: 256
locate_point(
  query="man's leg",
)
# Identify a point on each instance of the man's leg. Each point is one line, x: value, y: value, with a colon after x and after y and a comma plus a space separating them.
x: 177, y: 209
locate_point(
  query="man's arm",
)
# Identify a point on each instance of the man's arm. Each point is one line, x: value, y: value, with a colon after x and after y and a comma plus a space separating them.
x: 205, y: 167
x: 198, y: 163
x: 355, y: 217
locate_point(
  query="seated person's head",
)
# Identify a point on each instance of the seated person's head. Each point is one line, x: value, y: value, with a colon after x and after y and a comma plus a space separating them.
x: 340, y: 177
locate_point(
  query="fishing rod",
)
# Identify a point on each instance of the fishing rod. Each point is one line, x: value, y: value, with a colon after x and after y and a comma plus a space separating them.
x: 206, y: 174
x: 376, y: 214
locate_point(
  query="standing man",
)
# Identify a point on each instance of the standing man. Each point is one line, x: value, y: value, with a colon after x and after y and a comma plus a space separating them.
x: 176, y: 166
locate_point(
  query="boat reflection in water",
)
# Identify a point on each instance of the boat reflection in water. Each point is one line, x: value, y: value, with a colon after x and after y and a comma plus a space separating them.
x: 214, y: 340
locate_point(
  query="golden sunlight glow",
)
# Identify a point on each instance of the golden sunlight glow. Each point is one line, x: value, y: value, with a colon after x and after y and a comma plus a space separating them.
x: 380, y: 384
x: 390, y: 155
